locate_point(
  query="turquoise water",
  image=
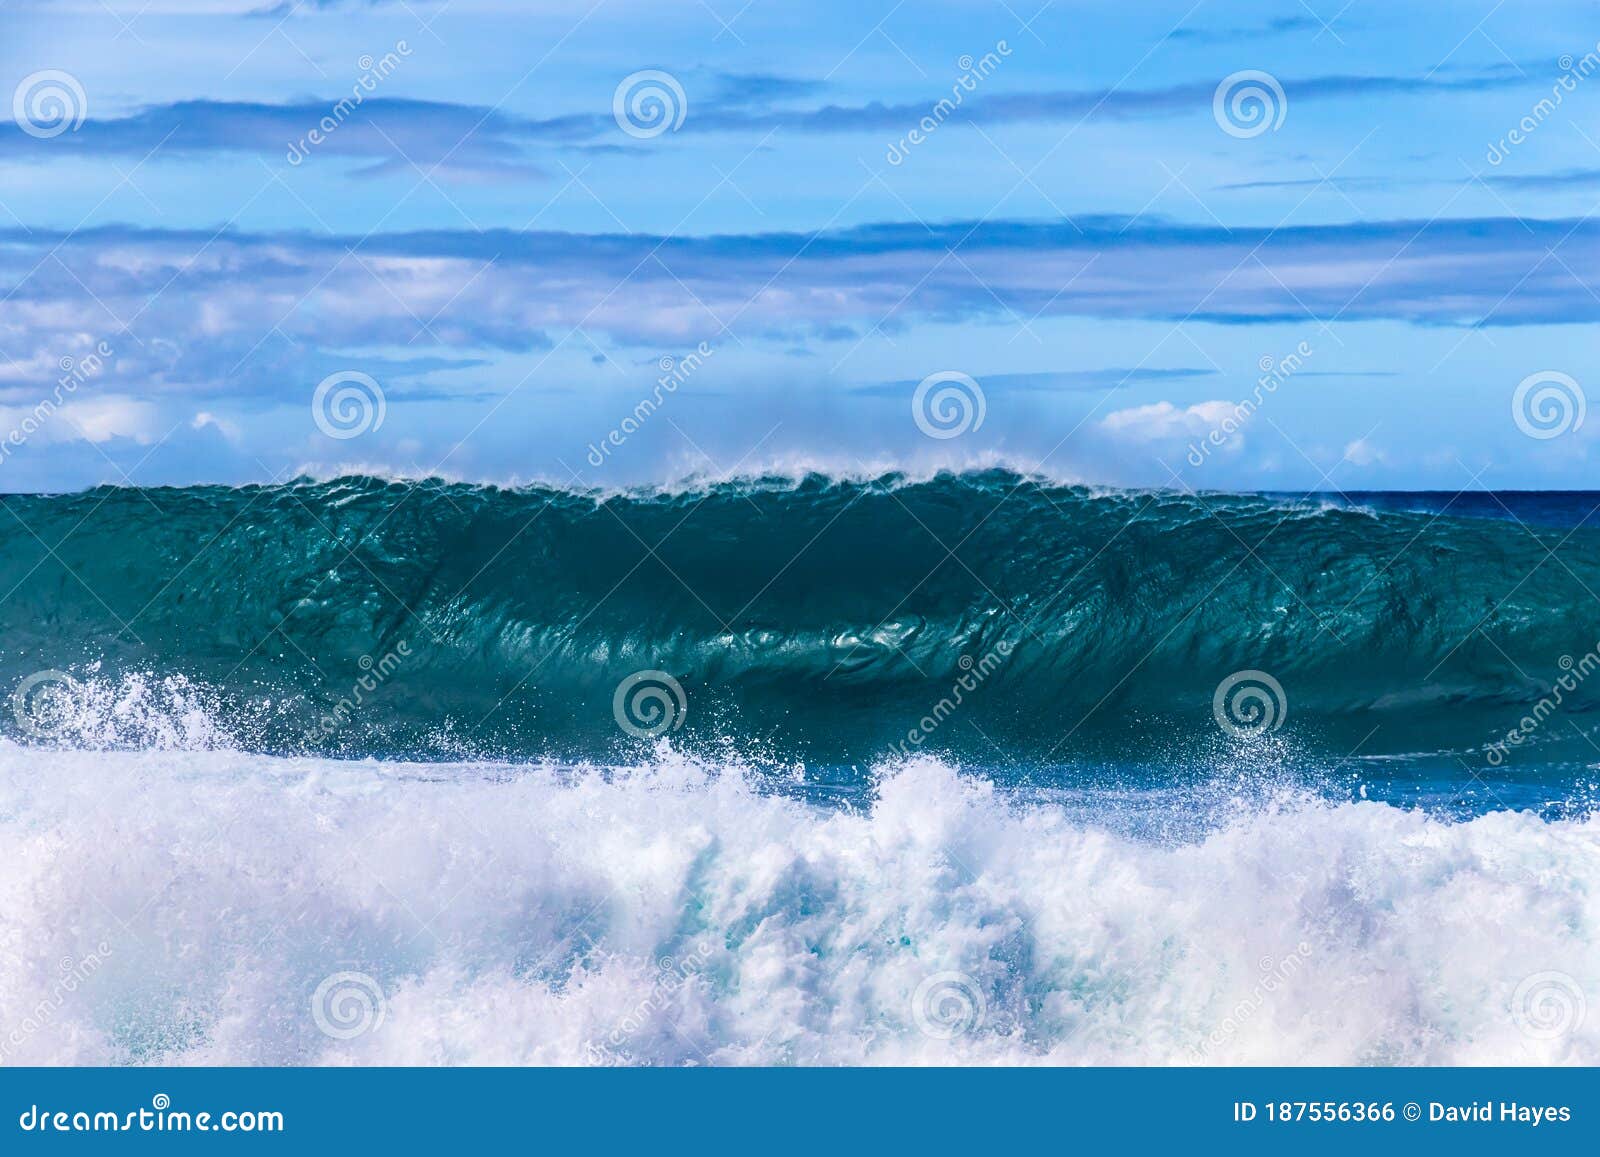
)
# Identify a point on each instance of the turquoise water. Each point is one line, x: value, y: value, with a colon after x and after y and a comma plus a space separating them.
x: 1049, y: 636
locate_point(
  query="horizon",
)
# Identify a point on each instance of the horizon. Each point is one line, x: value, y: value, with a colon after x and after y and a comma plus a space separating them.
x: 689, y: 483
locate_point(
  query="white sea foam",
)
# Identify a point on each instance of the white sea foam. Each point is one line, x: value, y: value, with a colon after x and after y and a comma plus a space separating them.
x: 215, y: 907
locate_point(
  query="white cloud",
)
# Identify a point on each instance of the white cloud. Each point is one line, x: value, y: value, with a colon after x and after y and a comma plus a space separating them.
x: 205, y: 418
x: 102, y: 419
x: 1163, y: 420
x: 1363, y: 453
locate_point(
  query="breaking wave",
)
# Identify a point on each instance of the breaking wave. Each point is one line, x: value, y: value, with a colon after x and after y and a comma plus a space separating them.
x: 816, y: 619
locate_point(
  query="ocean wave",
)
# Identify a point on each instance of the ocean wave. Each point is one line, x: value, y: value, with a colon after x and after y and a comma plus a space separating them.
x: 205, y: 908
x: 829, y: 620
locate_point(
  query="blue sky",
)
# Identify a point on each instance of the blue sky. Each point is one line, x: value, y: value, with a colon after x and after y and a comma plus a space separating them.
x: 1094, y: 248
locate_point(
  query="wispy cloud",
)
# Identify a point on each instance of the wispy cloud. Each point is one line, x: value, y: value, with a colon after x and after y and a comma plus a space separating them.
x: 1055, y: 381
x: 1278, y: 26
x: 392, y: 134
x: 1542, y: 182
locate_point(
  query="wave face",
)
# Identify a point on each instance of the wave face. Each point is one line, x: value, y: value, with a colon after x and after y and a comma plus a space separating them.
x: 243, y: 909
x: 823, y: 621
